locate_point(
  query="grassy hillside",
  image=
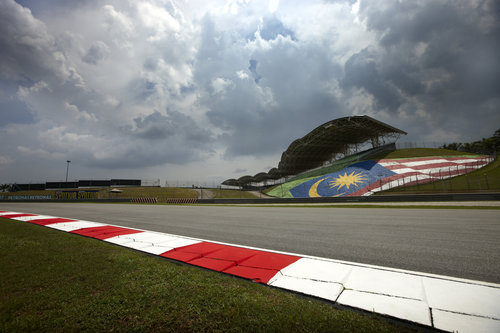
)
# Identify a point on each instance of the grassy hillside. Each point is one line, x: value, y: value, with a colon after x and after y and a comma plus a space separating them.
x: 283, y: 190
x: 484, y: 179
x: 232, y: 194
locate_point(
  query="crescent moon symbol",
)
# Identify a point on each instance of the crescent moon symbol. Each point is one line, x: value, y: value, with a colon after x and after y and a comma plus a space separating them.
x: 313, y: 191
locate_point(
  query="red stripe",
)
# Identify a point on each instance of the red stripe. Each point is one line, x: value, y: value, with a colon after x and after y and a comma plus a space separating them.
x: 232, y: 253
x: 202, y: 248
x: 104, y: 232
x: 405, y: 160
x: 213, y: 264
x: 434, y: 177
x: 259, y: 275
x: 379, y: 184
x: 480, y: 158
x: 50, y: 221
x: 432, y: 165
x: 451, y: 173
x: 420, y: 167
x: 259, y: 266
x: 10, y: 216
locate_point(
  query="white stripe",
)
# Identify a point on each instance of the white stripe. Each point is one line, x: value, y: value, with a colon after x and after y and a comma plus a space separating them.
x: 71, y: 226
x: 418, y: 163
x: 8, y: 213
x: 434, y: 161
x: 29, y: 218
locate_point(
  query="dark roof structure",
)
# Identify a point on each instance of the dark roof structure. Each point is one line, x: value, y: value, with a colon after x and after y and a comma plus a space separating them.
x: 338, y: 136
x: 230, y: 182
x: 260, y: 177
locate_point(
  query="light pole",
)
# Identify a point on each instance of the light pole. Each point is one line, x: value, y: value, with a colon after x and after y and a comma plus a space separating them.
x: 67, y: 170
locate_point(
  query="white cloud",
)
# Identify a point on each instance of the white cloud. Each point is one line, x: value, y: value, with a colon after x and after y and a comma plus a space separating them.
x: 144, y: 85
x: 273, y: 5
x: 158, y: 20
x: 219, y: 85
x: 242, y: 75
x: 79, y: 115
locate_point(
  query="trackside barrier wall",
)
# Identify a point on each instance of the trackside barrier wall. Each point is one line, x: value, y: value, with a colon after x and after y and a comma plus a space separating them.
x: 144, y: 200
x: 384, y: 198
x: 181, y: 200
x: 35, y: 199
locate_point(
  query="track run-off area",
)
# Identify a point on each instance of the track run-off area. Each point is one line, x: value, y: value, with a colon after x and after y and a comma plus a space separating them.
x: 461, y: 243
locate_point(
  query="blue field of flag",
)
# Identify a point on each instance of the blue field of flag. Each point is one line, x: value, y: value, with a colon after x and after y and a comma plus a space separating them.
x: 341, y: 183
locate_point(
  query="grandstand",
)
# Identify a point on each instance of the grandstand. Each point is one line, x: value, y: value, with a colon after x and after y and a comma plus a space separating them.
x: 324, y: 145
x: 83, y: 184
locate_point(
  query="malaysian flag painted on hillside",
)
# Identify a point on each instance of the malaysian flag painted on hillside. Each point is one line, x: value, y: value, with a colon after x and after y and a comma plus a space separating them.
x: 368, y: 177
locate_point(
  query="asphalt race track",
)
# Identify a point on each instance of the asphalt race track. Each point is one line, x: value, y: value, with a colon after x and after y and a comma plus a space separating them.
x: 460, y: 243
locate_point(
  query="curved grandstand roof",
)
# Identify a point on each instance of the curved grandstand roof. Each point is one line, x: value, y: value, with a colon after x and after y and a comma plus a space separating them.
x: 337, y: 136
x: 260, y: 177
x: 274, y: 173
x: 331, y: 138
x: 231, y: 182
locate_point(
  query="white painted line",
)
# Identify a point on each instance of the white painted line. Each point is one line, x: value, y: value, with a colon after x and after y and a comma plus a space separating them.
x: 385, y: 283
x: 136, y: 245
x: 151, y: 237
x: 29, y: 218
x: 8, y: 213
x: 71, y: 226
x: 156, y: 249
x: 408, y: 309
x: 118, y: 240
x: 463, y: 297
x: 319, y: 270
x: 449, y: 321
x: 326, y: 290
x: 174, y: 243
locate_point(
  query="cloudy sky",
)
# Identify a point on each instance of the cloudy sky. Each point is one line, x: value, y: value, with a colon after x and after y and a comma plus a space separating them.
x: 210, y: 90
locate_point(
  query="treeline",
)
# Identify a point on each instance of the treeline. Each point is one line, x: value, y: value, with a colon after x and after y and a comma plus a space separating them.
x: 488, y: 146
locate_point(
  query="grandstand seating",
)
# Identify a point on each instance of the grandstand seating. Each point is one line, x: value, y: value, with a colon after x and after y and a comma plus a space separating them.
x: 368, y: 177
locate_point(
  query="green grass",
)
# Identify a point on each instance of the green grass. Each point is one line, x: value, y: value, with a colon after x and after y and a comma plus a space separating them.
x: 283, y: 190
x: 232, y: 194
x: 481, y: 180
x: 54, y: 281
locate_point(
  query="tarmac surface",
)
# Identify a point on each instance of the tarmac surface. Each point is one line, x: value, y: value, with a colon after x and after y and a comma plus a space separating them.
x: 455, y: 242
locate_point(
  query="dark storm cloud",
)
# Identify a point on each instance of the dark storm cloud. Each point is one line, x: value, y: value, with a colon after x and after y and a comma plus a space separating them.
x: 285, y: 95
x: 27, y: 50
x: 13, y: 110
x: 158, y: 139
x: 441, y: 55
x: 361, y: 71
x: 97, y: 51
x: 143, y: 155
x: 175, y: 125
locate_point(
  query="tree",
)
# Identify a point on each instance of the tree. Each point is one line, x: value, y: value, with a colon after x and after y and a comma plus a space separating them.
x: 485, y: 146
